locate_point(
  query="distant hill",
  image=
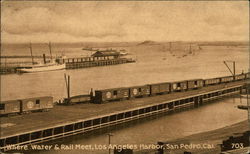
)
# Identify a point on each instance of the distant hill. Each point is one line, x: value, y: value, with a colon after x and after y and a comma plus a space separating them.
x: 148, y: 42
x: 224, y: 43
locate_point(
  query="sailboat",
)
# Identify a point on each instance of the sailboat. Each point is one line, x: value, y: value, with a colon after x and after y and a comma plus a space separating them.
x: 51, y: 66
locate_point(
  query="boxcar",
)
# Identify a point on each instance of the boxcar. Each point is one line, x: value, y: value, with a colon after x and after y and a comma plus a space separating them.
x: 240, y: 77
x: 139, y: 91
x: 195, y: 83
x: 9, y: 107
x: 160, y: 88
x: 211, y: 81
x: 226, y: 79
x: 179, y: 86
x: 39, y: 103
x: 248, y: 75
x: 110, y: 94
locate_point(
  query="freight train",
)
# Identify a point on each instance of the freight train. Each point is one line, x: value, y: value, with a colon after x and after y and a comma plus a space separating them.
x: 124, y: 93
x: 26, y: 105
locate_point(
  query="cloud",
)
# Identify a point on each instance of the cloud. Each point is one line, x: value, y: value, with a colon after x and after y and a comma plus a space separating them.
x: 37, y: 20
x: 124, y: 21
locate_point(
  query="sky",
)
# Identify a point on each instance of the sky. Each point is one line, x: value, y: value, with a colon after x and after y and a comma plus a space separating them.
x: 90, y: 21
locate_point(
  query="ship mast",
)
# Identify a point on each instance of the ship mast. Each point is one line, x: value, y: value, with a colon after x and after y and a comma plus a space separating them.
x: 190, y: 48
x: 31, y: 53
x: 50, y: 51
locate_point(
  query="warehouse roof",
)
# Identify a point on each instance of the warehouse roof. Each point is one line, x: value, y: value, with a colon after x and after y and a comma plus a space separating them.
x: 106, y: 53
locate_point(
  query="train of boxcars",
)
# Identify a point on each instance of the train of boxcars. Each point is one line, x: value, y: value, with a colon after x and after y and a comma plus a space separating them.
x: 114, y: 94
x: 26, y: 105
x: 106, y: 95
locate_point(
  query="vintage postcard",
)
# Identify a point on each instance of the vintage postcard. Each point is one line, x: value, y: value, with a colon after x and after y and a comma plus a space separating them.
x: 124, y: 77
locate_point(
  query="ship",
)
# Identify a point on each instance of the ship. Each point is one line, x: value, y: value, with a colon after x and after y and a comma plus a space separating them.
x: 42, y: 68
x: 51, y: 66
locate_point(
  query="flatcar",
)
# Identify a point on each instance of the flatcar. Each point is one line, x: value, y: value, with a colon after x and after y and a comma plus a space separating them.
x: 239, y: 77
x: 26, y: 105
x: 160, y: 88
x: 195, y: 83
x: 226, y: 79
x: 110, y: 94
x: 212, y: 81
x: 179, y: 86
x: 139, y: 91
x: 76, y: 99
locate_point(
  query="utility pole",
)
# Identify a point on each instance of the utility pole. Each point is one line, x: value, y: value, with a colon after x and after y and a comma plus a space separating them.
x: 234, y: 67
x: 68, y: 86
x: 31, y: 54
x: 67, y: 82
x: 109, y: 140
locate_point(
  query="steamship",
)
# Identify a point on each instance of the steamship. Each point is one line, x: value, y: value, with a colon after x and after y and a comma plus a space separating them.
x: 42, y: 67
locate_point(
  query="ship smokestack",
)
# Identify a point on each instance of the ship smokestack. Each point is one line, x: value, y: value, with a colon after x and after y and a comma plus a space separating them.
x: 44, y: 58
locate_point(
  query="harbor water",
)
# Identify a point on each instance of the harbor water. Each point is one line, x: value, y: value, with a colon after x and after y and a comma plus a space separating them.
x: 154, y: 64
x: 149, y: 131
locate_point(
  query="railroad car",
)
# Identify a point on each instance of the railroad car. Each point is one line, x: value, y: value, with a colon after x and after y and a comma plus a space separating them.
x: 160, y: 88
x: 10, y: 107
x: 248, y: 75
x: 240, y: 77
x: 212, y: 81
x: 26, y: 105
x: 139, y: 91
x: 77, y: 99
x: 179, y: 86
x: 110, y: 94
x: 227, y: 79
x: 39, y: 103
x: 195, y: 84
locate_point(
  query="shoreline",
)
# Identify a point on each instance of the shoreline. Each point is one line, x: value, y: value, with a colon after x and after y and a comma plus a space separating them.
x: 211, y: 139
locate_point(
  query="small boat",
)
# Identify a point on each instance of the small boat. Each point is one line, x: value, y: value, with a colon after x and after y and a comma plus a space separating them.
x: 42, y: 68
x: 243, y: 107
x: 87, y: 48
x: 123, y: 53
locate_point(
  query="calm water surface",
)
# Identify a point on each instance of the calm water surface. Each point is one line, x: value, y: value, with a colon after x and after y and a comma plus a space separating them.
x: 162, y: 128
x: 154, y: 64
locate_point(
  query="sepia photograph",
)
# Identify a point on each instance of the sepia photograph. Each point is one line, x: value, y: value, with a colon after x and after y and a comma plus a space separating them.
x: 125, y: 77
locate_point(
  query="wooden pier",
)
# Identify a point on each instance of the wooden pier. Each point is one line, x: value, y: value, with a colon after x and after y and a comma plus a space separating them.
x: 75, y: 63
x: 82, y: 118
x: 8, y: 70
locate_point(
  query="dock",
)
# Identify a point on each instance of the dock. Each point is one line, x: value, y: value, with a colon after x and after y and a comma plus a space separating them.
x: 83, y: 118
x: 76, y: 63
x: 8, y: 70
